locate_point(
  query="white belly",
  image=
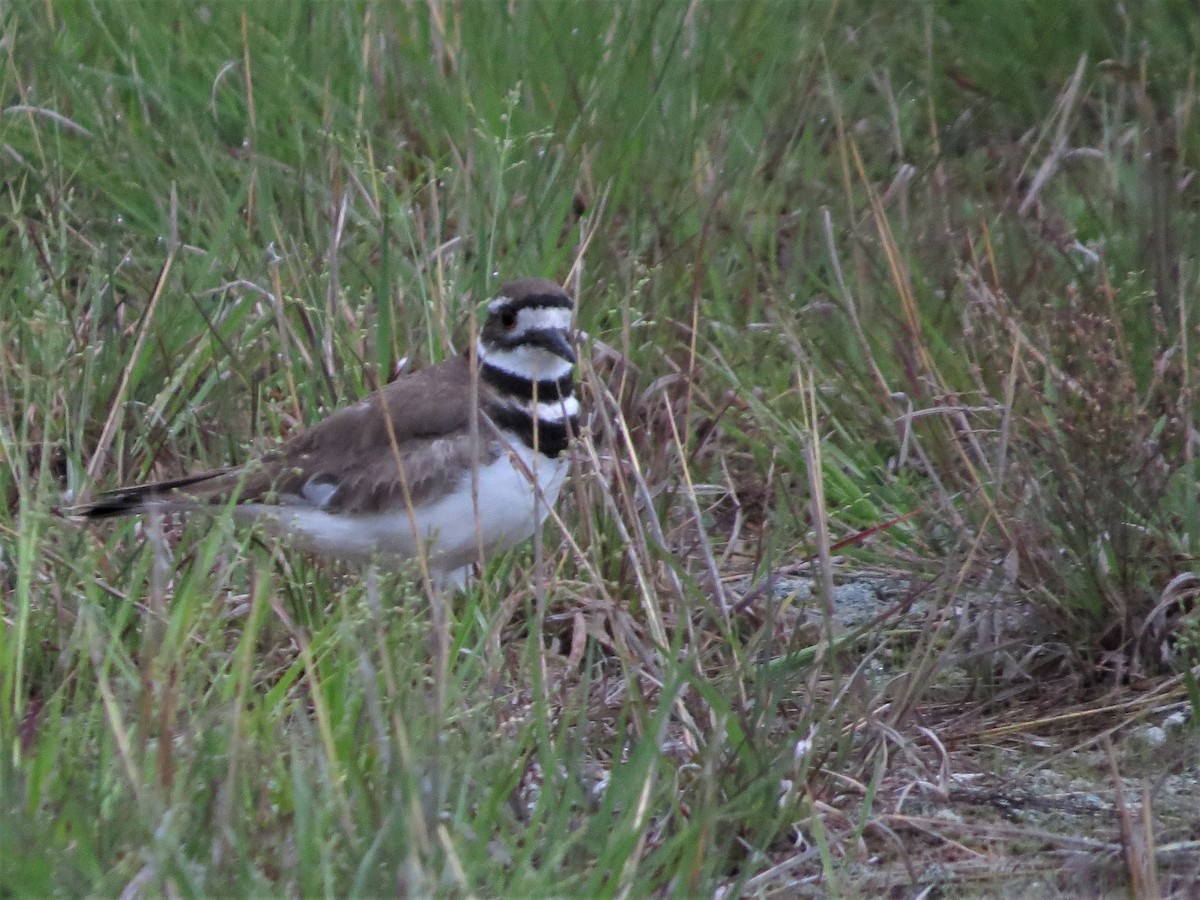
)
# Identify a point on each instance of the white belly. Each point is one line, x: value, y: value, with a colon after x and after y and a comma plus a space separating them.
x: 497, y: 512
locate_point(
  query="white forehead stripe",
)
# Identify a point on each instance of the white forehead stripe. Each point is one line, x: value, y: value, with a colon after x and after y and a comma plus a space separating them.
x: 543, y: 318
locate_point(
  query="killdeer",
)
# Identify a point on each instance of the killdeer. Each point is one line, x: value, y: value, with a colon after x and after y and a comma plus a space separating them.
x: 453, y: 462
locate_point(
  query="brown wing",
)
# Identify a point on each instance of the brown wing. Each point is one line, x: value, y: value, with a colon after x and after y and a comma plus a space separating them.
x: 350, y: 462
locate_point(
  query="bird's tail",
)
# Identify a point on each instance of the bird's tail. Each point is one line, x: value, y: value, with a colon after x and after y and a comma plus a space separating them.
x: 132, y: 500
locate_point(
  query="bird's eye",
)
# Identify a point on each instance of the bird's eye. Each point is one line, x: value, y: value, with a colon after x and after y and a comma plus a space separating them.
x: 508, y: 318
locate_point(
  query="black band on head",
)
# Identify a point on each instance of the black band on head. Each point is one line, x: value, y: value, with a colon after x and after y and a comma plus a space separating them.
x: 541, y: 301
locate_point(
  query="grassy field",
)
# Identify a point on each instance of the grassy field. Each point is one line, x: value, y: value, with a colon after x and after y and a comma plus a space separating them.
x: 901, y: 295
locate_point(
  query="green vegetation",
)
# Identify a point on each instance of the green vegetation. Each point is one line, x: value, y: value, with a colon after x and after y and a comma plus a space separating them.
x: 942, y: 255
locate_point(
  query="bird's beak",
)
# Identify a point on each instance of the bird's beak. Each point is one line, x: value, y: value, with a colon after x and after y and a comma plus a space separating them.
x: 555, y: 341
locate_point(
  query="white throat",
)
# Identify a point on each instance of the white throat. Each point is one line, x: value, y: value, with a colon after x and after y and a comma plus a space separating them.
x: 533, y: 363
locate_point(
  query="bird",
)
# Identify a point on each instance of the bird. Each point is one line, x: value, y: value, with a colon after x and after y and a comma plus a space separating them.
x: 451, y: 463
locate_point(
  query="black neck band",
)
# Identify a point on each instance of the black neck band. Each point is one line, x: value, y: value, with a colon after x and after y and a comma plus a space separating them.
x: 550, y: 438
x: 549, y: 390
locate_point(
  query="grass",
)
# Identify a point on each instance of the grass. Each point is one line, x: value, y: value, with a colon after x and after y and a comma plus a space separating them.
x: 910, y: 297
